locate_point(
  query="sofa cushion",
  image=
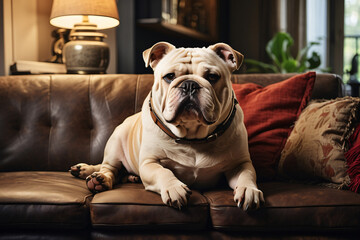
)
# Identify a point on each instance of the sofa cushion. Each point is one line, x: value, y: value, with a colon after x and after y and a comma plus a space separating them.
x: 269, y: 114
x: 288, y: 206
x: 315, y: 148
x: 130, y: 206
x: 43, y: 200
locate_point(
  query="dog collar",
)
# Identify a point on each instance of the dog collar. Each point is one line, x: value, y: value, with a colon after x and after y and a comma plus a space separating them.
x: 214, y: 135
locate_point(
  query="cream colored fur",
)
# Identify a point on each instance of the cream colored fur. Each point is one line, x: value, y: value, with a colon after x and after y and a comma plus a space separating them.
x: 170, y: 168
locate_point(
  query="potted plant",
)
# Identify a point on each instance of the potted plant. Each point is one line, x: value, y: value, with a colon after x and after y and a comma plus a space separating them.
x: 278, y: 49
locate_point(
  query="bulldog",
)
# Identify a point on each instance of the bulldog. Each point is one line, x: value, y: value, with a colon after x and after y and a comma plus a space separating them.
x: 189, y: 133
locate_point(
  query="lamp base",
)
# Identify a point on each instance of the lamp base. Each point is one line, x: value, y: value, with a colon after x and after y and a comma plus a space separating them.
x: 86, y: 53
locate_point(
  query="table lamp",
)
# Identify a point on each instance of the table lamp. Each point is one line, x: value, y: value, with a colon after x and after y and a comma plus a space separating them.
x: 85, y: 53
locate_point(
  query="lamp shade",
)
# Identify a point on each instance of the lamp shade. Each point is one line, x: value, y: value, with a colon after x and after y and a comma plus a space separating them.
x: 66, y: 13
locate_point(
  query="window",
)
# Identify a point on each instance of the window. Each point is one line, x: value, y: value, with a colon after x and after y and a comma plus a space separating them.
x: 351, y: 40
x: 316, y: 12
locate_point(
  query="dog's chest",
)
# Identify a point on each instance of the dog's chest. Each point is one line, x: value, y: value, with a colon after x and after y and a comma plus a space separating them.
x: 194, y: 168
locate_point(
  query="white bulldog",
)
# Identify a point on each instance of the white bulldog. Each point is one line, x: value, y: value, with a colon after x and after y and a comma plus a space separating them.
x: 189, y: 133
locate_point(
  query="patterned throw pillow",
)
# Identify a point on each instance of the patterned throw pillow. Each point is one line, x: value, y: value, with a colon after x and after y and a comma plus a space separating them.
x: 315, y: 148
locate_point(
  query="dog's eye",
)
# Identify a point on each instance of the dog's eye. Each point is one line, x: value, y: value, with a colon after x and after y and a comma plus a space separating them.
x: 169, y: 77
x: 212, y: 77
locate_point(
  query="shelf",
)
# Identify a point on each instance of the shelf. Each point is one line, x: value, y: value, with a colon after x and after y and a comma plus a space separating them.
x: 174, y: 29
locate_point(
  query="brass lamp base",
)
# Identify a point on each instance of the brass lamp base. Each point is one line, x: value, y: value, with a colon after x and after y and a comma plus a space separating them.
x: 86, y: 53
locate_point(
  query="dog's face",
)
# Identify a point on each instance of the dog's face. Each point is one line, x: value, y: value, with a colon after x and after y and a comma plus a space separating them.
x: 192, y: 88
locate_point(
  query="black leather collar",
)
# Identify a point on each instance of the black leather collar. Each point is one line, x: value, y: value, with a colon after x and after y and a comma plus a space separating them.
x: 214, y: 135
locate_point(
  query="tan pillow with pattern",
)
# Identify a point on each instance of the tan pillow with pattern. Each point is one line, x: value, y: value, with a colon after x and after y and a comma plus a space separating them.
x: 315, y: 148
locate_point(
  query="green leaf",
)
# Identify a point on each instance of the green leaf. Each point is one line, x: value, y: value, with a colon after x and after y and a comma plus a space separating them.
x: 289, y: 66
x: 314, y: 60
x: 302, y: 55
x: 278, y: 48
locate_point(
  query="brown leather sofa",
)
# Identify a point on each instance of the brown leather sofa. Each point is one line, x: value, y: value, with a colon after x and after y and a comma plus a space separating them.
x: 51, y: 122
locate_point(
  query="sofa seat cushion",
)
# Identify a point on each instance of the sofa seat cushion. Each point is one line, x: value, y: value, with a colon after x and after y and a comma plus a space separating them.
x: 43, y: 200
x: 130, y: 206
x: 289, y: 206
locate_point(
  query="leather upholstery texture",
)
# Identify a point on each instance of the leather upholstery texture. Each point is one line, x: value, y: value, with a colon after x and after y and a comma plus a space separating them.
x: 288, y: 206
x: 130, y: 206
x: 43, y: 200
x: 51, y: 122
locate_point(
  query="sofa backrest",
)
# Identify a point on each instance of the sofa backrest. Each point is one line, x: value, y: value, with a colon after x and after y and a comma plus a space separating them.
x: 51, y: 122
x: 327, y: 86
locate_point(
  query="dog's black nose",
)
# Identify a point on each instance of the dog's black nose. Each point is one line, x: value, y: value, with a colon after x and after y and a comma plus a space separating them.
x: 189, y: 87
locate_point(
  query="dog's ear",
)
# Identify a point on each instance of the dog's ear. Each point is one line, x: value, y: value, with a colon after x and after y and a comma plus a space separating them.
x: 232, y: 58
x: 153, y: 55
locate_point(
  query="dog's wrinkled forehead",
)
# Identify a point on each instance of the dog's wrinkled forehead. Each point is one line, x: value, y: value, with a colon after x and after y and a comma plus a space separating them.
x: 191, y: 60
x: 220, y: 54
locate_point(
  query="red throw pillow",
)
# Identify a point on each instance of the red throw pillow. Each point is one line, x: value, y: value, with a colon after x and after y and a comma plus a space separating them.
x: 269, y: 115
x: 353, y: 160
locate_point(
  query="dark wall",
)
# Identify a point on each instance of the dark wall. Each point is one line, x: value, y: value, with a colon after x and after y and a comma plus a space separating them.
x: 252, y: 24
x: 2, y: 64
x: 125, y: 35
x: 243, y: 24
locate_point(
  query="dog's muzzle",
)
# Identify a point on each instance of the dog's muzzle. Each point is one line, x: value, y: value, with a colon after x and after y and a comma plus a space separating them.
x: 189, y: 88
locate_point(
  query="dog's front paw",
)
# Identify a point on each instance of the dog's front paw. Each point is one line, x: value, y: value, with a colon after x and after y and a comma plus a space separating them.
x: 81, y: 170
x: 176, y: 195
x: 248, y: 197
x: 98, y: 182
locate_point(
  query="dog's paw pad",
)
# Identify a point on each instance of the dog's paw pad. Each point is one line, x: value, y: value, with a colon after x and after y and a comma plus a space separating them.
x: 96, y: 183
